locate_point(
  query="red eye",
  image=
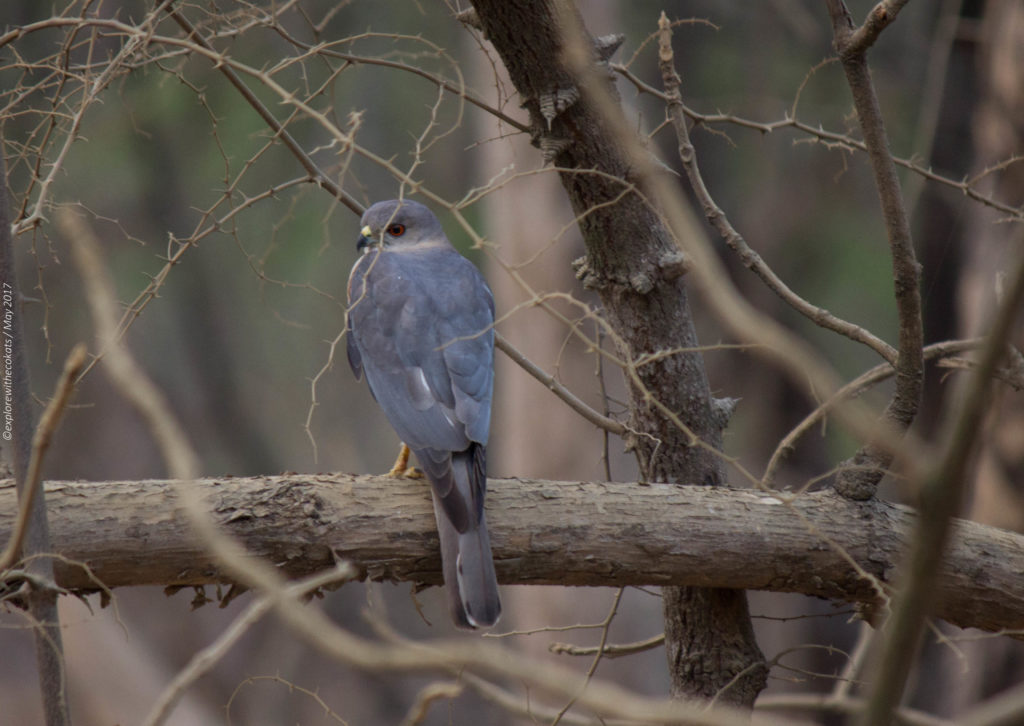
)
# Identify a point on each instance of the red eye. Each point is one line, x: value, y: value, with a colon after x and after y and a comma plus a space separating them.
x: 396, y: 230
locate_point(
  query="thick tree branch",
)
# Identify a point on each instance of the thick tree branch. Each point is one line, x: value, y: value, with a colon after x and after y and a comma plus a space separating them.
x: 544, y: 532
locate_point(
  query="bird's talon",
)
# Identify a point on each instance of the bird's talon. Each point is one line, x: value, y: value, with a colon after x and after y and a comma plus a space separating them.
x: 413, y: 472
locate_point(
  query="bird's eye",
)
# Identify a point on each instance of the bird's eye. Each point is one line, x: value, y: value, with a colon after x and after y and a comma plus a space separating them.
x: 396, y: 230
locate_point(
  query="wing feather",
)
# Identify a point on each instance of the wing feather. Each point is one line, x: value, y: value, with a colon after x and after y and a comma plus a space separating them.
x: 426, y: 347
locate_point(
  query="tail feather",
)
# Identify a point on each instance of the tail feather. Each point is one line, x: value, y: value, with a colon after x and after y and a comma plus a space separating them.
x: 472, y: 587
x: 477, y: 583
x: 466, y: 556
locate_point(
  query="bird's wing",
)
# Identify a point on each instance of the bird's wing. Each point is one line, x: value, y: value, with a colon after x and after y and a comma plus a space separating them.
x: 422, y: 331
x: 467, y: 352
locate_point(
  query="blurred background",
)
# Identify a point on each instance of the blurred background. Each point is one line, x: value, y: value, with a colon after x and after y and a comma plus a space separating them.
x: 239, y: 329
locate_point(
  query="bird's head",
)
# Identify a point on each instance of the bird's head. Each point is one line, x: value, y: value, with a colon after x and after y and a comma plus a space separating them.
x: 399, y: 223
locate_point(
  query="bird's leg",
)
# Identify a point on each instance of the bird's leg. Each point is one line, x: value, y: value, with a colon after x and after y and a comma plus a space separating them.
x: 401, y: 463
x: 402, y: 468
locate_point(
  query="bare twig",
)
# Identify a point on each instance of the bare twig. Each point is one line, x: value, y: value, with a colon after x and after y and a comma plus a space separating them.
x: 830, y: 139
x: 855, y: 663
x: 205, y: 659
x: 426, y: 697
x: 146, y: 397
x: 609, y: 651
x: 601, y: 421
x: 598, y: 654
x: 458, y: 89
x: 858, y: 385
x: 286, y: 138
x: 314, y: 696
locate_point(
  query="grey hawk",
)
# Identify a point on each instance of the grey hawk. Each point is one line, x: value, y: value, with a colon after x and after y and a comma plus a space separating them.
x: 421, y: 327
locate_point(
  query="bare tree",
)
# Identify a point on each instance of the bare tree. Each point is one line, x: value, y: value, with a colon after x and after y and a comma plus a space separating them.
x: 264, y: 127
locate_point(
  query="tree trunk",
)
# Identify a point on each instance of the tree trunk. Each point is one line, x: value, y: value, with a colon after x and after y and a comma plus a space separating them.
x: 632, y: 263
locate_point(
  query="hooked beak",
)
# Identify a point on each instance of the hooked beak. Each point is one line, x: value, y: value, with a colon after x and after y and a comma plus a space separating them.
x: 365, y: 239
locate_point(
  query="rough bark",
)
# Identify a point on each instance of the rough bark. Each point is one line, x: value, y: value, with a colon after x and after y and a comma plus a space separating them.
x: 543, y: 532
x: 633, y: 264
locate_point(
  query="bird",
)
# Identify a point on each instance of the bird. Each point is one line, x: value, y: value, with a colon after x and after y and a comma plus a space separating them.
x: 421, y: 329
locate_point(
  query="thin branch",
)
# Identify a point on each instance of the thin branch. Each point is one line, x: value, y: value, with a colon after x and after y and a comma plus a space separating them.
x: 859, y: 40
x: 455, y: 89
x: 426, y: 697
x: 146, y: 397
x: 314, y: 696
x: 205, y: 659
x: 860, y: 479
x: 855, y: 387
x: 828, y: 138
x: 601, y: 421
x: 289, y: 141
x: 855, y: 663
x: 48, y: 423
x: 718, y: 219
x: 612, y: 650
x: 598, y: 654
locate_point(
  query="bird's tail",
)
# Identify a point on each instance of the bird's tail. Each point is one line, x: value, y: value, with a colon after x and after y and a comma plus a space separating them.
x: 466, y: 558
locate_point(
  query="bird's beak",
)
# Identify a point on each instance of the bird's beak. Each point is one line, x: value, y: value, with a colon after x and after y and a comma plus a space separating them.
x: 365, y: 238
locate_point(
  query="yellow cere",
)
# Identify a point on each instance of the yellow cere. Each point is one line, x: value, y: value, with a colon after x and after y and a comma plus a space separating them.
x: 366, y: 231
